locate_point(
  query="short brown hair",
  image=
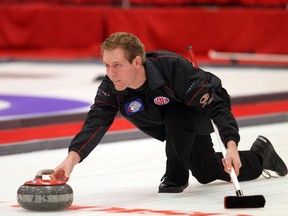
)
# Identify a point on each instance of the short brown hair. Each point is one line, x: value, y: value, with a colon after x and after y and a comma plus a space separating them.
x: 130, y: 43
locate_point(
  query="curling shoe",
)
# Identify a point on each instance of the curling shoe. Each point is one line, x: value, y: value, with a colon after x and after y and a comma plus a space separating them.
x: 168, y: 186
x: 270, y: 159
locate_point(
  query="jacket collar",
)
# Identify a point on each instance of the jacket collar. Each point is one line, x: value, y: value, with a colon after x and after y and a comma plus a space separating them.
x: 154, y: 78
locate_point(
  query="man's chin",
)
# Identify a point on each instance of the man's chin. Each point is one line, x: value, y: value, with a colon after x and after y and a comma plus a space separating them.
x: 118, y: 88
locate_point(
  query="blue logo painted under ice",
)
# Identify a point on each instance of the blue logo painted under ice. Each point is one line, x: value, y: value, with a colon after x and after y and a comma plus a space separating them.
x: 11, y: 105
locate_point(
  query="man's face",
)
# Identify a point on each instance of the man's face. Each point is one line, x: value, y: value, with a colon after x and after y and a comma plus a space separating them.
x: 119, y: 70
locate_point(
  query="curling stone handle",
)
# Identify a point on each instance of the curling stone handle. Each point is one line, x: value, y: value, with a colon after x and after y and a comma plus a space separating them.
x: 44, y: 172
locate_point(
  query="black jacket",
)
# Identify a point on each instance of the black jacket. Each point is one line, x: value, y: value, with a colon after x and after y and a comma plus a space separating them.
x: 171, y: 79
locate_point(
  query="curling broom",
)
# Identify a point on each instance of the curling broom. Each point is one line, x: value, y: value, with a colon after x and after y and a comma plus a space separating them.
x: 238, y: 201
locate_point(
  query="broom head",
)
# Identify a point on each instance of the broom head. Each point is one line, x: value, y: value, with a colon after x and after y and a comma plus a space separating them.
x: 256, y: 201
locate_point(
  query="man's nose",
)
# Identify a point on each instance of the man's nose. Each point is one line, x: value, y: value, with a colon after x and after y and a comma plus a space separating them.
x: 111, y: 71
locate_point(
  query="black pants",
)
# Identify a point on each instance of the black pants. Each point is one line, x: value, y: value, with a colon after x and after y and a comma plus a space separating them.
x: 187, y: 148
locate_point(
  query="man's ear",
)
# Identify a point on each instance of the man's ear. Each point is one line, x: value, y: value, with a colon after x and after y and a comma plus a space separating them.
x: 138, y: 61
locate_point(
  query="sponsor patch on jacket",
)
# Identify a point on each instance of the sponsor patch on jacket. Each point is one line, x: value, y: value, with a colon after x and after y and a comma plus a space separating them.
x: 134, y: 106
x: 206, y: 99
x: 161, y: 100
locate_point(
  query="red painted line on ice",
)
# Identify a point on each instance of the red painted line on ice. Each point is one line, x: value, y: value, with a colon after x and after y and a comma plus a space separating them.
x: 261, y: 108
x: 54, y: 131
x: 140, y: 211
x: 143, y: 211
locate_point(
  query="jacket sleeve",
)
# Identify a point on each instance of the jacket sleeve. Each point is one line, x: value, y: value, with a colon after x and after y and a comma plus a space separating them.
x: 204, y: 92
x: 99, y: 118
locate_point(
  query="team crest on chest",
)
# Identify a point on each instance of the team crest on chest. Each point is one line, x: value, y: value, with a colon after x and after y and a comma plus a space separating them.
x: 161, y: 100
x: 134, y: 106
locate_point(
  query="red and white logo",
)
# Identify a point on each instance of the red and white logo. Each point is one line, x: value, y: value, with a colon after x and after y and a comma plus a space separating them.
x: 206, y: 99
x: 161, y: 100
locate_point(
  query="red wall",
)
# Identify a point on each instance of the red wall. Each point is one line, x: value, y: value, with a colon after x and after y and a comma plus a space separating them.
x: 78, y: 31
x: 231, y: 30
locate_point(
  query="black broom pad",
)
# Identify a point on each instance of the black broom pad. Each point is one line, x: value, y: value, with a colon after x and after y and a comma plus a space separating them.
x: 256, y: 201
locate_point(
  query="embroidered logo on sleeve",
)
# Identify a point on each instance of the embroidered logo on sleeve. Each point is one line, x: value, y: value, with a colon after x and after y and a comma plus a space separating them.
x: 190, y: 88
x: 161, y: 100
x: 134, y: 106
x: 206, y: 99
x: 101, y: 92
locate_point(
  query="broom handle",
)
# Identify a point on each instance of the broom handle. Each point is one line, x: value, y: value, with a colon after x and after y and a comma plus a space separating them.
x: 232, y: 173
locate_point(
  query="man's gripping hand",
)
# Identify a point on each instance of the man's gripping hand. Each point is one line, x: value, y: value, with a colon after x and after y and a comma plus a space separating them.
x: 63, y: 170
x: 232, y: 158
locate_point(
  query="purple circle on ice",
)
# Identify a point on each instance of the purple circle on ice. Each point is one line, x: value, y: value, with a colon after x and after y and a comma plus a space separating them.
x: 11, y: 105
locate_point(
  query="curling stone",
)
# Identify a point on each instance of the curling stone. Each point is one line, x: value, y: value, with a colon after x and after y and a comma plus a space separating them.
x: 45, y: 194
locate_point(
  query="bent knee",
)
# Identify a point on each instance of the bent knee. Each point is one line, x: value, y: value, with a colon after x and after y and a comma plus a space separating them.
x: 202, y: 179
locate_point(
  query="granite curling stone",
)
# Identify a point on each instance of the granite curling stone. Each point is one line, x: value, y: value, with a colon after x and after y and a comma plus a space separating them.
x: 45, y: 194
